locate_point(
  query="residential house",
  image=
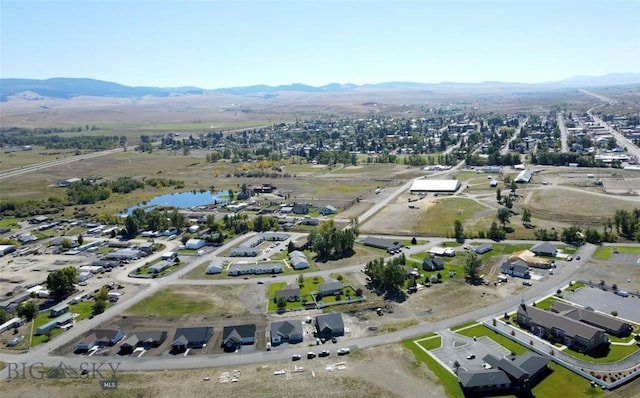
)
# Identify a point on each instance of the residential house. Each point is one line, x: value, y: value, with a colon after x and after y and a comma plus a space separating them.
x: 158, y: 267
x: 298, y: 260
x: 544, y: 249
x: 144, y: 339
x: 610, y: 324
x: 195, y: 244
x: 263, y: 268
x: 287, y: 331
x: 215, y: 266
x: 309, y: 221
x: 191, y: 337
x: 274, y: 236
x: 555, y: 327
x: 515, y: 268
x: 505, y: 375
x: 327, y: 210
x: 244, y: 251
x: 380, y: 243
x: 11, y: 323
x: 482, y: 249
x: 290, y: 293
x: 330, y: 288
x: 432, y: 263
x: 300, y: 209
x: 329, y: 325
x: 100, y: 338
x: 61, y: 321
x: 58, y: 310
x: 235, y: 336
x: 442, y: 251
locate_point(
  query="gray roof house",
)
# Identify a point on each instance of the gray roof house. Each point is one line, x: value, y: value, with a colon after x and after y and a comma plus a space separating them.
x: 544, y: 249
x: 328, y: 209
x: 275, y: 236
x: 143, y: 339
x: 244, y: 251
x: 58, y: 310
x: 263, y: 268
x: 287, y: 331
x: 519, y: 374
x: 193, y: 337
x: 515, y: 268
x: 100, y: 337
x: 432, y: 263
x: 609, y: 324
x: 330, y: 287
x: 330, y: 325
x: 215, y: 266
x: 235, y: 336
x: 380, y: 243
x: 298, y: 260
x: 487, y: 247
x: 556, y: 327
x: 290, y: 293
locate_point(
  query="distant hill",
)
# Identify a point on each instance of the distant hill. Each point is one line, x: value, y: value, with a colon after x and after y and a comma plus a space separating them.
x: 62, y: 87
x: 73, y: 87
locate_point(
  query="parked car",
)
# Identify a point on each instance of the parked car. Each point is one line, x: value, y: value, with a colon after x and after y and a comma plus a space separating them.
x: 295, y: 357
x: 15, y: 341
x: 471, y: 356
x: 311, y: 355
x: 324, y: 353
x: 526, y: 283
x: 569, y: 258
x: 344, y: 351
x: 577, y: 257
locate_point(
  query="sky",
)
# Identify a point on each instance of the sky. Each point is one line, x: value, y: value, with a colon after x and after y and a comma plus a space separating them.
x: 217, y: 43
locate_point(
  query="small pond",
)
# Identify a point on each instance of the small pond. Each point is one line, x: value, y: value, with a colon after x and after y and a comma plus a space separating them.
x: 182, y: 200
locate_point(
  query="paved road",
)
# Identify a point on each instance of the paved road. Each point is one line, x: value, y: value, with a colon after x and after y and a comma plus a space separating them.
x: 564, y: 133
x: 516, y: 134
x: 44, y: 165
x: 623, y: 141
x: 39, y: 354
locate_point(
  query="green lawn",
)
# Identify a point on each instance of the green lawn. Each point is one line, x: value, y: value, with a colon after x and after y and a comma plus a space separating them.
x: 83, y: 309
x: 170, y: 302
x: 8, y: 222
x: 430, y: 343
x: 464, y: 325
x: 438, y: 219
x: 309, y: 285
x: 616, y: 353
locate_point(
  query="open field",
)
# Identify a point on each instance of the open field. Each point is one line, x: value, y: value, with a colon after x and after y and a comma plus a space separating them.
x: 179, y: 300
x: 399, y: 375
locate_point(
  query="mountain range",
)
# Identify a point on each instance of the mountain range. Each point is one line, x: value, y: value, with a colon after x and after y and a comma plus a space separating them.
x: 66, y: 88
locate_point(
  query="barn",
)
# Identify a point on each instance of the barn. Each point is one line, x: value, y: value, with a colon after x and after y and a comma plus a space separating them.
x: 436, y: 186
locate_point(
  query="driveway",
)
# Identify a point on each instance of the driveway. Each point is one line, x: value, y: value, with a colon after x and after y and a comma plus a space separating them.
x: 456, y: 347
x: 605, y: 301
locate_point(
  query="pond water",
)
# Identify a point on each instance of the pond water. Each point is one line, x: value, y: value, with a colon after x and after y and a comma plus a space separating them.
x: 182, y: 200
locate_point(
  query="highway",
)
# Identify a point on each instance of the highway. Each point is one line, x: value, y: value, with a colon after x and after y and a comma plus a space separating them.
x: 623, y: 141
x: 44, y: 165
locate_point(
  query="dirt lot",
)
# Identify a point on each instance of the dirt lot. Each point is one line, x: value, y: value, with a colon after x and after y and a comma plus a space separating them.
x: 399, y: 375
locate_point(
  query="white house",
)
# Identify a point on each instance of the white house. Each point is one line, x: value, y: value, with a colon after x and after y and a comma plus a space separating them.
x: 195, y: 244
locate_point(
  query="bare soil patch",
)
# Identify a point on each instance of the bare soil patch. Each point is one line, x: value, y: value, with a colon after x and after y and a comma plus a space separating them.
x: 398, y: 375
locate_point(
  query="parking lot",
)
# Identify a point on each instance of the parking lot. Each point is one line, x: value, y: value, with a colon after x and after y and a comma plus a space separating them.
x: 606, y: 301
x: 456, y: 347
